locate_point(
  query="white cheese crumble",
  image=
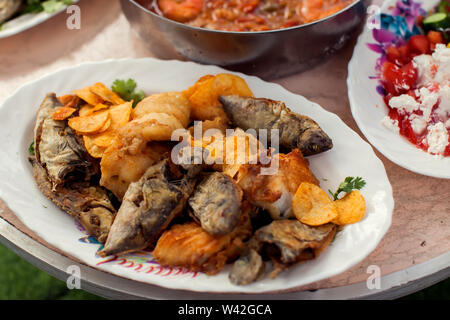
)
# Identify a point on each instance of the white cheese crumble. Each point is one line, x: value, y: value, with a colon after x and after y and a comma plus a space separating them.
x: 404, y: 102
x: 428, y: 99
x: 418, y: 124
x: 425, y: 70
x: 390, y: 124
x: 444, y: 105
x: 441, y: 57
x: 437, y: 138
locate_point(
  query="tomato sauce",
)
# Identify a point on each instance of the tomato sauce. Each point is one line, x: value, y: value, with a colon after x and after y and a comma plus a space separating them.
x: 245, y: 15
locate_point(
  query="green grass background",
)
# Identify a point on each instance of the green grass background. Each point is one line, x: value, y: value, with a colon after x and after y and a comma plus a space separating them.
x: 21, y: 280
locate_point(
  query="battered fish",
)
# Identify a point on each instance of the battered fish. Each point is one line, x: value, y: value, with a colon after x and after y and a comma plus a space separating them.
x: 216, y: 203
x: 9, y: 8
x: 191, y: 247
x: 274, y: 192
x: 295, y: 131
x: 149, y: 205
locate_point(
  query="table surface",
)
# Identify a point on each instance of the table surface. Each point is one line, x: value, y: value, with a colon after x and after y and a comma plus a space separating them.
x: 418, y: 241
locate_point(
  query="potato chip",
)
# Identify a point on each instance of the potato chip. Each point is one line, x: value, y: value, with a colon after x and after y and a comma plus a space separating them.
x: 120, y: 114
x: 204, y: 95
x: 93, y: 149
x: 312, y: 206
x: 105, y: 127
x: 63, y: 113
x: 90, y: 124
x: 351, y: 208
x: 86, y: 95
x: 106, y: 94
x: 65, y: 99
x: 105, y: 139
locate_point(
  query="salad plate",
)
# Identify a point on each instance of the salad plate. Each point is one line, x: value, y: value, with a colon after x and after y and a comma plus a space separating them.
x: 395, y: 131
x: 25, y: 21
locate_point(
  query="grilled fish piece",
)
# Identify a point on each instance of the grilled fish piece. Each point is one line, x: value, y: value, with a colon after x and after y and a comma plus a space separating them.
x: 216, y: 203
x: 58, y: 149
x: 87, y: 204
x: 149, y: 205
x: 9, y: 8
x: 285, y: 242
x: 296, y: 131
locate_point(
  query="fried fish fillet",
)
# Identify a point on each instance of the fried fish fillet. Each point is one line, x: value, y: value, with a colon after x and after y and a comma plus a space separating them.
x: 9, y: 8
x: 216, y: 203
x: 285, y: 242
x: 191, y: 247
x: 274, y: 192
x: 149, y: 205
x: 295, y: 131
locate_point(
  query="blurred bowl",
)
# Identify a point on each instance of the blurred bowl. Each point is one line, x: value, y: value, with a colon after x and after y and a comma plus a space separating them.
x: 267, y: 54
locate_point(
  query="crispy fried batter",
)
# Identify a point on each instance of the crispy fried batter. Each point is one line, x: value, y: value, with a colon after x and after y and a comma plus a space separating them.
x: 189, y: 246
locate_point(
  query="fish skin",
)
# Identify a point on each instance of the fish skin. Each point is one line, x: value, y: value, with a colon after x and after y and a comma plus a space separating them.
x: 285, y: 242
x: 87, y: 204
x: 8, y: 8
x: 58, y: 149
x: 148, y: 207
x: 296, y: 131
x: 216, y: 203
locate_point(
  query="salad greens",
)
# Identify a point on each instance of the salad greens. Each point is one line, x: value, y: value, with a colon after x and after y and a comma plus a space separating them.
x: 49, y: 6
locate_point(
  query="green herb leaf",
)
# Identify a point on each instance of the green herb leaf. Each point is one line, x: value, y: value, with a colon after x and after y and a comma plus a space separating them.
x: 31, y: 149
x: 127, y: 90
x: 349, y: 184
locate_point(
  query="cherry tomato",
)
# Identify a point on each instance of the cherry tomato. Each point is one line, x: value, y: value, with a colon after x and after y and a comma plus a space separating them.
x: 419, y: 44
x: 397, y: 79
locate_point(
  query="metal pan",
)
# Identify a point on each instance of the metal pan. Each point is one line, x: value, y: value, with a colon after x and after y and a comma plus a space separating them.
x: 267, y: 54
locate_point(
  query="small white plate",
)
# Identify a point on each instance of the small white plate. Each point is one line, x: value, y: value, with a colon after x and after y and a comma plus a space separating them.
x: 350, y: 156
x: 27, y: 21
x: 368, y: 108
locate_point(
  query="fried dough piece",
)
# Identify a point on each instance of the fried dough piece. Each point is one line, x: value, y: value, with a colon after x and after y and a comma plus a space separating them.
x: 191, y: 247
x: 295, y: 130
x: 285, y: 242
x: 121, y: 165
x: 216, y: 203
x: 148, y: 207
x: 87, y: 204
x: 275, y: 192
x: 58, y: 149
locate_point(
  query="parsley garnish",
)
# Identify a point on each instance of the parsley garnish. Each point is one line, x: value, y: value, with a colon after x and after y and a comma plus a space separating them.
x: 49, y: 6
x: 127, y: 90
x: 31, y: 149
x: 349, y: 184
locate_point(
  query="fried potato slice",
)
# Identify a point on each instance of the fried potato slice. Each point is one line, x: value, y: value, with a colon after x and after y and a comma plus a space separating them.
x: 86, y: 95
x: 351, y: 208
x: 204, y: 95
x: 120, y: 114
x: 106, y: 94
x: 93, y: 149
x: 172, y: 103
x: 312, y: 206
x: 63, y: 113
x: 89, y: 124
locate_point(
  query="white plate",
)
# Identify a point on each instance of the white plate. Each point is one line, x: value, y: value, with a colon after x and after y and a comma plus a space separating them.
x: 27, y: 21
x: 351, y: 156
x: 368, y: 109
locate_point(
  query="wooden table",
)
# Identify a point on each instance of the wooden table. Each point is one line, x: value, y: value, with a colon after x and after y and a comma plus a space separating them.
x: 415, y: 253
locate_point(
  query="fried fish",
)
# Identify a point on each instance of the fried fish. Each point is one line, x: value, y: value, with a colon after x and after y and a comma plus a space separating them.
x: 63, y: 170
x: 285, y: 242
x: 149, y: 205
x: 58, y: 149
x: 216, y: 203
x: 295, y: 131
x: 9, y: 8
